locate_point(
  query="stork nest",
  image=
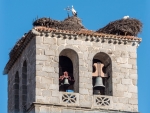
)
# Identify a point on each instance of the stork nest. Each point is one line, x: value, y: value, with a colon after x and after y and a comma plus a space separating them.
x: 125, y: 27
x: 71, y: 23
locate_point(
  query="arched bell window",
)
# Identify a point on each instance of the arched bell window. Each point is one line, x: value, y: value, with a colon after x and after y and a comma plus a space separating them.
x: 24, y: 86
x: 16, y: 92
x: 102, y: 74
x: 68, y: 71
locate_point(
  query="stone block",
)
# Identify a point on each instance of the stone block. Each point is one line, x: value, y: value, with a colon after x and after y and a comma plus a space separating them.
x: 48, y: 69
x: 124, y: 70
x: 123, y: 100
x: 133, y: 55
x: 50, y: 52
x: 122, y: 60
x: 85, y: 55
x: 118, y: 106
x: 129, y: 66
x: 39, y: 52
x: 53, y: 47
x: 87, y: 43
x: 38, y: 92
x: 54, y: 64
x: 134, y: 95
x: 127, y: 107
x: 39, y: 40
x: 131, y: 71
x: 116, y: 80
x: 41, y: 73
x: 127, y: 94
x: 44, y: 109
x: 118, y: 93
x: 132, y: 61
x: 133, y: 76
x: 89, y: 86
x: 83, y: 48
x: 73, y: 42
x: 68, y: 111
x: 82, y: 68
x: 61, y: 41
x: 56, y: 70
x: 135, y: 108
x: 54, y: 100
x: 55, y: 81
x: 78, y: 111
x: 42, y: 99
x: 54, y: 75
x: 133, y: 101
x: 42, y: 57
x: 55, y: 93
x: 40, y: 62
x: 97, y: 44
x: 49, y: 40
x: 120, y: 47
x: 60, y: 48
x: 84, y: 103
x: 88, y: 98
x: 38, y: 79
x: 46, y: 80
x: 42, y: 46
x: 41, y: 85
x: 121, y: 87
x: 46, y: 93
x: 81, y: 62
x: 124, y: 54
x: 83, y: 91
x: 131, y: 49
x: 115, y: 99
x: 108, y: 46
x: 90, y: 49
x: 134, y: 82
x: 39, y: 67
x: 132, y: 89
x: 126, y: 81
x: 55, y: 110
x: 82, y: 85
x: 54, y: 86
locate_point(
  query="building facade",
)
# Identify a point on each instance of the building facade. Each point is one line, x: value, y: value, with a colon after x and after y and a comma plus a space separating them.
x: 40, y: 57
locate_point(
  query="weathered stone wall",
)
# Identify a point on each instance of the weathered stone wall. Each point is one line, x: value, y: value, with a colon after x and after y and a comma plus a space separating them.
x: 124, y: 71
x: 29, y: 55
x: 58, y: 109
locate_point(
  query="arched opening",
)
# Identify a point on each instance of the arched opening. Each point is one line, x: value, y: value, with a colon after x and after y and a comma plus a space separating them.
x: 24, y: 86
x: 102, y: 66
x: 68, y: 71
x: 16, y: 93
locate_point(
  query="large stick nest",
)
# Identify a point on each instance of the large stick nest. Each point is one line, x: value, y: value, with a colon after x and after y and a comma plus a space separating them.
x: 71, y: 23
x: 125, y: 27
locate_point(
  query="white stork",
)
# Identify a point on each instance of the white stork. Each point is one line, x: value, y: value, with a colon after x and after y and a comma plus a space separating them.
x: 126, y: 17
x: 74, y: 12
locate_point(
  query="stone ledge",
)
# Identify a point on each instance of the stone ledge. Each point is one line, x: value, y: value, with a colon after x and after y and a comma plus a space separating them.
x: 74, y: 108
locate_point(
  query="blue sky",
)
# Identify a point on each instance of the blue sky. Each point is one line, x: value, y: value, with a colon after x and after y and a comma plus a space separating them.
x: 16, y: 18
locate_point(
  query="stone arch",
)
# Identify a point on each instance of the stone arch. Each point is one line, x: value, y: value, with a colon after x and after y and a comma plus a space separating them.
x: 107, y: 70
x: 16, y: 92
x: 71, y: 57
x: 24, y: 86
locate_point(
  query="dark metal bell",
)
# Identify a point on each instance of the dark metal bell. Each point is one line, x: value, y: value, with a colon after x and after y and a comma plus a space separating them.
x: 99, y: 83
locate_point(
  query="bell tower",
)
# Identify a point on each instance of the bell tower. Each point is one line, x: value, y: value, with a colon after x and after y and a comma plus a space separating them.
x: 61, y: 67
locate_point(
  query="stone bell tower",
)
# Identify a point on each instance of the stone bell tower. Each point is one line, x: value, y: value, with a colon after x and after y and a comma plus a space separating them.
x: 55, y: 66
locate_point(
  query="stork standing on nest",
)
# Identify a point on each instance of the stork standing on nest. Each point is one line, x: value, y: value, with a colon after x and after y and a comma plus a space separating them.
x: 126, y: 17
x: 74, y: 12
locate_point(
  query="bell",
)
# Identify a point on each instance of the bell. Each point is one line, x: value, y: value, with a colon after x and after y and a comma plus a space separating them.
x: 66, y: 82
x: 99, y: 83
